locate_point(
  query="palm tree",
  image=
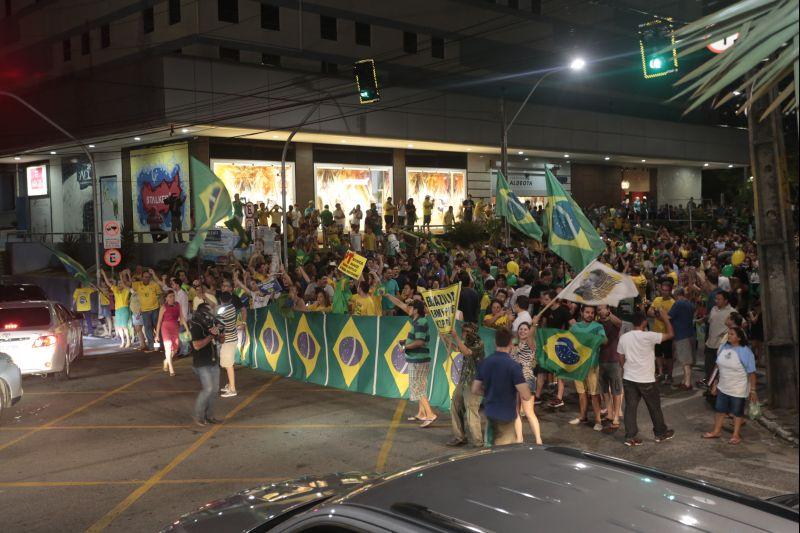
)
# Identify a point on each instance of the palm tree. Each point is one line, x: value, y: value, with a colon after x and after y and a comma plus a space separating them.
x: 764, y: 55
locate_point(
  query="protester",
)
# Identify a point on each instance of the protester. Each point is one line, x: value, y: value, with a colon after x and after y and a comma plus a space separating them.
x: 170, y: 320
x: 524, y: 354
x: 465, y: 405
x: 589, y: 389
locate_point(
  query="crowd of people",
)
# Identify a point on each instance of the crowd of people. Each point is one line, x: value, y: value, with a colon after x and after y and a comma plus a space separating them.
x: 697, y: 303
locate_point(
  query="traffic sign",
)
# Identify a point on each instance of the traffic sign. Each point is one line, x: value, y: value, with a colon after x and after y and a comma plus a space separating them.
x: 249, y: 210
x: 112, y: 257
x: 112, y: 237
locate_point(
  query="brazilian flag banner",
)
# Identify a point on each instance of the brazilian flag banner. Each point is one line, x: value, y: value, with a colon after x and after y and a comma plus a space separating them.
x: 570, y: 234
x: 211, y: 202
x: 352, y: 353
x: 71, y: 265
x: 568, y: 355
x: 509, y: 206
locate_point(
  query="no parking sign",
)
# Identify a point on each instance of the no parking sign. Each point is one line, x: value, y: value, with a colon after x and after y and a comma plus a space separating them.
x: 112, y: 257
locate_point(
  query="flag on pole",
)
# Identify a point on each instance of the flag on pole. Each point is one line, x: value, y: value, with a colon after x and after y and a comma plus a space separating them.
x: 509, y: 206
x: 567, y: 354
x: 70, y: 265
x: 570, y: 234
x: 599, y: 284
x: 211, y: 200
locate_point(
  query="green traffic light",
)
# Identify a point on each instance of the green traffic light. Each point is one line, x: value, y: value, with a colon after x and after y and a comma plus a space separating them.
x: 656, y: 63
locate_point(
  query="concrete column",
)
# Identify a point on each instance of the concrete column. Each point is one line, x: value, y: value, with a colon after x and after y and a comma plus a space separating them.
x: 127, y: 195
x: 399, y: 174
x: 305, y: 188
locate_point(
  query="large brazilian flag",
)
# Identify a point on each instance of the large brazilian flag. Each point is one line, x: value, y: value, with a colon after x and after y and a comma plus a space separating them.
x: 567, y: 354
x: 509, y: 206
x: 211, y: 202
x: 570, y: 234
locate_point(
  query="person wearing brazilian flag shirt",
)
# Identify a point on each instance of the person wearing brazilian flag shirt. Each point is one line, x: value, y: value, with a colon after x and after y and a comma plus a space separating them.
x: 418, y: 358
x: 589, y: 387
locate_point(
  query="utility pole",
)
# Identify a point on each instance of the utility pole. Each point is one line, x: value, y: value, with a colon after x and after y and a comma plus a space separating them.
x: 777, y: 264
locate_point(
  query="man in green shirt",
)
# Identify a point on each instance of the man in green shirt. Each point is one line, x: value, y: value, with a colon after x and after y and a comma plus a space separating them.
x: 388, y: 286
x: 590, y: 387
x: 238, y: 208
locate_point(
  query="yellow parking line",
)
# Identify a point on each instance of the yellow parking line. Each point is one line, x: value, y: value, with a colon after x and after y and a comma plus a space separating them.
x: 56, y: 484
x: 387, y: 443
x: 307, y: 426
x: 122, y: 506
x: 76, y: 410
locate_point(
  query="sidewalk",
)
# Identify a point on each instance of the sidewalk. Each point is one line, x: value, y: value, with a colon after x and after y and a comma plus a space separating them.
x: 781, y: 422
x: 95, y: 346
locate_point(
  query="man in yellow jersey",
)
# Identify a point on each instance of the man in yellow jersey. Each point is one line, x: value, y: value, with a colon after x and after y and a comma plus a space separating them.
x: 82, y: 301
x: 427, y: 211
x: 388, y: 213
x: 148, y: 292
x: 663, y: 303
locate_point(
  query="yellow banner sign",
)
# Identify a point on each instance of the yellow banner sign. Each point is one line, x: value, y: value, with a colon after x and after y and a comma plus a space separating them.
x: 353, y: 264
x: 442, y: 305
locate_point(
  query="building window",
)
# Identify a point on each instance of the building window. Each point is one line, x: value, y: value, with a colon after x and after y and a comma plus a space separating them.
x: 66, y: 49
x: 105, y: 36
x: 174, y: 12
x: 270, y: 17
x: 228, y: 10
x: 85, y: 44
x: 270, y: 60
x: 329, y: 68
x: 437, y: 47
x: 327, y: 28
x: 513, y: 4
x: 363, y: 34
x: 148, y: 20
x: 409, y: 42
x: 229, y: 54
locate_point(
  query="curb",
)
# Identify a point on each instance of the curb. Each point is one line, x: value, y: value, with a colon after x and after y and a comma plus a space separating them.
x: 778, y: 430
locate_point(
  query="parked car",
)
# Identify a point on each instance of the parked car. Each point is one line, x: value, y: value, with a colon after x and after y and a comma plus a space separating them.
x: 511, y: 488
x: 10, y: 383
x: 42, y: 337
x: 16, y: 292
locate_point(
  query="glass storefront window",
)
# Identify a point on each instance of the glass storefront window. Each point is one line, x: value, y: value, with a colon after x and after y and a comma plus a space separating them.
x: 256, y: 181
x: 352, y: 185
x: 446, y: 187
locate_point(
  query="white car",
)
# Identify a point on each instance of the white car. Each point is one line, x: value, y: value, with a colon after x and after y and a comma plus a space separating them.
x: 42, y: 337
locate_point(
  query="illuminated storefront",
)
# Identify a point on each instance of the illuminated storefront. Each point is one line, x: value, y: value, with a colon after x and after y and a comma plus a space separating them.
x: 351, y: 185
x: 446, y: 187
x: 255, y: 181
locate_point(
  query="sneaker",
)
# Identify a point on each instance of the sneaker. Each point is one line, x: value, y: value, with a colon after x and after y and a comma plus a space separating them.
x: 633, y: 442
x: 577, y: 420
x: 228, y: 394
x: 598, y: 427
x: 455, y: 442
x: 556, y: 402
x: 225, y: 388
x: 537, y: 400
x: 666, y: 436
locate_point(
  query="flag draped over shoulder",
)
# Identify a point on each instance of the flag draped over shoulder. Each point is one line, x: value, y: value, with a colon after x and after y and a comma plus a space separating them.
x: 599, y: 284
x: 211, y: 200
x: 509, y: 206
x: 567, y: 354
x: 570, y: 234
x: 70, y: 265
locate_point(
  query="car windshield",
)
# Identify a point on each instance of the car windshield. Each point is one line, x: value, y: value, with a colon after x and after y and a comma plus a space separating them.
x: 16, y: 293
x: 24, y: 317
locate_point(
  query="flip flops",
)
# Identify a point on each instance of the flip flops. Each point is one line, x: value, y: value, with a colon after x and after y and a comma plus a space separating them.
x: 710, y: 436
x: 427, y: 422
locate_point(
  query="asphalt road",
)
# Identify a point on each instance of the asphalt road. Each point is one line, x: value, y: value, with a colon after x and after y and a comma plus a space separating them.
x: 114, y: 449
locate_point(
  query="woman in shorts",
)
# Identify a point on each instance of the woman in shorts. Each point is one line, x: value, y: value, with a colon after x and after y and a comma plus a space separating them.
x: 121, y: 291
x: 524, y: 354
x: 736, y: 365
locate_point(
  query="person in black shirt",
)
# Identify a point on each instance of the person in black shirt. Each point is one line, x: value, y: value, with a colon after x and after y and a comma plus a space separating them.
x: 469, y: 302
x: 230, y: 306
x: 205, y: 363
x: 468, y: 207
x: 175, y: 203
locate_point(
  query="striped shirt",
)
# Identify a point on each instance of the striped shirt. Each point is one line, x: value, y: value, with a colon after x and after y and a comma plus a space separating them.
x: 523, y: 354
x: 419, y: 332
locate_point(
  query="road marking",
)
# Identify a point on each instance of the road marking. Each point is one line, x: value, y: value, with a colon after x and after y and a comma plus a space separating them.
x: 705, y: 472
x: 77, y: 410
x: 675, y: 401
x: 387, y: 443
x: 772, y: 465
x: 133, y: 497
x: 228, y: 426
x: 198, y: 481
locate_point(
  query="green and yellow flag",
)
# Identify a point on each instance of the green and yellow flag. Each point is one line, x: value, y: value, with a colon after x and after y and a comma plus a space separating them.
x: 567, y: 354
x: 71, y: 265
x: 509, y: 206
x: 570, y: 234
x: 211, y: 200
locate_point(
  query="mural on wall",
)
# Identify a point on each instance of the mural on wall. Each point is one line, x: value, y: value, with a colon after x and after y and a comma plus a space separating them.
x: 255, y: 181
x: 109, y: 200
x: 156, y: 174
x: 351, y: 186
x: 76, y: 190
x: 446, y: 187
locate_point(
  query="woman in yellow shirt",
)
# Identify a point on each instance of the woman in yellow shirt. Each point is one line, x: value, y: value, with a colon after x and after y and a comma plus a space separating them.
x: 321, y: 302
x: 122, y: 311
x: 497, y: 318
x: 363, y: 304
x: 388, y: 213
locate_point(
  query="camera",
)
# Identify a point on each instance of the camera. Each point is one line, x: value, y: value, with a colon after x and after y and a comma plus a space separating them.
x: 206, y: 320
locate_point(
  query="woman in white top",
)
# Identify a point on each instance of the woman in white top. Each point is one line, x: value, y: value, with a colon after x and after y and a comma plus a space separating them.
x: 355, y: 219
x: 736, y: 365
x: 525, y: 354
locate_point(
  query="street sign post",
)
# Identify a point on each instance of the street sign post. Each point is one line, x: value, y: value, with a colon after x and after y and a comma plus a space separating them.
x: 112, y: 236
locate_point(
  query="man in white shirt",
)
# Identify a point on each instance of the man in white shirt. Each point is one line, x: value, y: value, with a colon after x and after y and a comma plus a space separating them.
x: 717, y: 329
x: 521, y: 310
x: 636, y: 352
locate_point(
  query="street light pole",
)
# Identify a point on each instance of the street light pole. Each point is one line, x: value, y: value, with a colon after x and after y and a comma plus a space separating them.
x: 283, y: 179
x: 92, y: 172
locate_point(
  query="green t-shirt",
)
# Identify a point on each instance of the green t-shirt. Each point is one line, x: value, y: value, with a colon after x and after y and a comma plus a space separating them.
x: 326, y: 217
x: 594, y: 328
x: 388, y: 287
x: 237, y: 209
x: 419, y: 331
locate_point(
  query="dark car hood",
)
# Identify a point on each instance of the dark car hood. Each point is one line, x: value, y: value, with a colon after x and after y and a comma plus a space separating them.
x: 252, y: 507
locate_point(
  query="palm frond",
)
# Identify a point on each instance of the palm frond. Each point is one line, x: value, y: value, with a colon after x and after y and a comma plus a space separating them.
x: 764, y: 55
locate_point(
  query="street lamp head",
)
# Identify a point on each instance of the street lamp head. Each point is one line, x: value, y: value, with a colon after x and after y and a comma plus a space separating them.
x: 577, y: 64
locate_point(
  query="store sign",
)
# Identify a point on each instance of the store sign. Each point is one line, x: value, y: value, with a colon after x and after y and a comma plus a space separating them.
x: 37, y: 180
x: 531, y: 183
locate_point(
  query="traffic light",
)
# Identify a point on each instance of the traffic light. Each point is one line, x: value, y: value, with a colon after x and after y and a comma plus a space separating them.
x: 366, y: 81
x: 657, y: 47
